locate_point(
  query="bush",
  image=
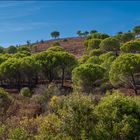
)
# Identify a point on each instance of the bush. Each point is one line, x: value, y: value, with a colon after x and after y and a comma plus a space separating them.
x: 18, y: 134
x: 118, y: 118
x: 78, y: 118
x: 5, y: 100
x: 72, y: 119
x: 25, y: 92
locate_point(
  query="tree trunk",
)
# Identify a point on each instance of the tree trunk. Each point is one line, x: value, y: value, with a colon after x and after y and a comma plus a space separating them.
x: 50, y: 76
x: 36, y: 79
x: 134, y: 84
x: 116, y: 53
x: 30, y: 83
x: 63, y: 76
x: 19, y: 82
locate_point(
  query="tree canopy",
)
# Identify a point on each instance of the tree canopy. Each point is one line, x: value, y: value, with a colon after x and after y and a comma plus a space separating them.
x: 85, y: 76
x: 124, y: 70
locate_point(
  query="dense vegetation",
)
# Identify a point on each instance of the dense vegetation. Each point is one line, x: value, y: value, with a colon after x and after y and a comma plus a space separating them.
x: 62, y: 97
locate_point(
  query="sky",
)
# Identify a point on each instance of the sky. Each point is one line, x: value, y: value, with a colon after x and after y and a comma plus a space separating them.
x: 35, y: 20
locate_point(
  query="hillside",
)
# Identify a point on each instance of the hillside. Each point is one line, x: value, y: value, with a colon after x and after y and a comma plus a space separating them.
x: 72, y: 44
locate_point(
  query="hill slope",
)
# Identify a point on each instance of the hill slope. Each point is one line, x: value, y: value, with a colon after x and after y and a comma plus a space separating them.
x: 73, y: 45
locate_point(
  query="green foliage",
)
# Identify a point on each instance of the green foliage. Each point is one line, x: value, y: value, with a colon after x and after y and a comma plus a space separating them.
x: 79, y: 33
x: 56, y: 49
x: 83, y: 59
x: 65, y: 62
x: 74, y: 112
x: 85, y: 43
x: 18, y: 134
x: 118, y: 118
x: 5, y: 100
x: 11, y: 50
x: 23, y: 49
x: 55, y: 34
x: 131, y: 47
x: 93, y: 31
x: 106, y: 61
x: 85, y: 76
x: 21, y: 54
x: 49, y: 129
x: 110, y: 44
x: 99, y: 35
x: 94, y: 60
x: 29, y: 67
x: 125, y: 37
x: 25, y: 92
x: 94, y: 43
x: 1, y: 49
x: 78, y: 115
x: 43, y: 93
x: 4, y: 57
x: 136, y: 30
x: 10, y: 68
x: 56, y: 59
x: 95, y: 52
x: 124, y: 68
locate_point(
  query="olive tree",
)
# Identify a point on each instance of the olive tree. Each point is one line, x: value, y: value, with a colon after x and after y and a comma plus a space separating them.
x: 125, y: 70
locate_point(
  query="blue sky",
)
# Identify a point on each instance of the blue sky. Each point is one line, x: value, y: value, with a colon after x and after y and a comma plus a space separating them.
x: 34, y: 20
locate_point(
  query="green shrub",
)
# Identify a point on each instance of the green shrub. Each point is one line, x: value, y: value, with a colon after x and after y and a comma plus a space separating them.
x: 95, y: 52
x: 18, y: 134
x: 25, y: 92
x: 118, y: 117
x: 5, y: 100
